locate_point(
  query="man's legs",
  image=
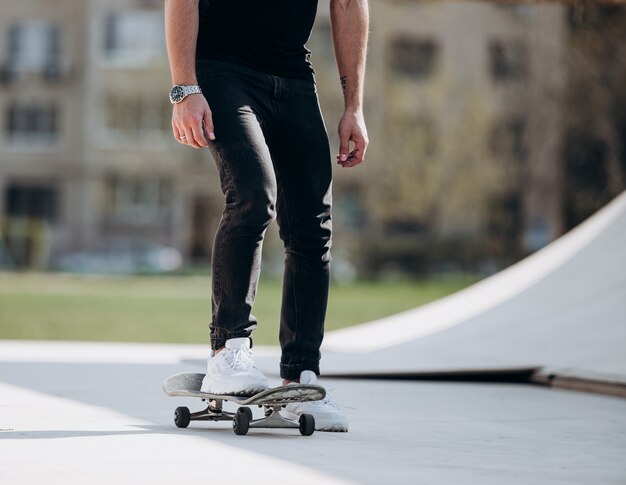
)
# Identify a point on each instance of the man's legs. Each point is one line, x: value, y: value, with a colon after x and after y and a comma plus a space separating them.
x: 249, y: 185
x: 299, y: 148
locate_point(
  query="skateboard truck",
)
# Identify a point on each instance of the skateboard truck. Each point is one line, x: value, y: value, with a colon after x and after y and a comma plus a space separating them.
x: 243, y: 419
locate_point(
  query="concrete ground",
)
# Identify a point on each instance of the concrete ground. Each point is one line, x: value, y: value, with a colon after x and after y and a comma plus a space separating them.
x: 95, y: 413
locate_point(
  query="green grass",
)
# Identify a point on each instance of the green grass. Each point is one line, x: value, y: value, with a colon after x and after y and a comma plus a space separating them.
x: 176, y: 309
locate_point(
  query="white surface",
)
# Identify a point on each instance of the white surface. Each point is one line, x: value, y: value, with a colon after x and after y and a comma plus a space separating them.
x: 563, y: 307
x: 59, y: 441
x: 480, y: 297
x: 110, y: 422
x: 61, y: 351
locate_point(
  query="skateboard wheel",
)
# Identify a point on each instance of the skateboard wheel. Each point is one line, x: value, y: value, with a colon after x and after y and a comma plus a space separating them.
x: 307, y: 424
x: 246, y: 410
x: 182, y: 417
x: 241, y: 423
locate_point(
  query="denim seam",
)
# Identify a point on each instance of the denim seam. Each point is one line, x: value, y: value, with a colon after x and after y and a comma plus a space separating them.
x: 294, y: 265
x: 228, y: 186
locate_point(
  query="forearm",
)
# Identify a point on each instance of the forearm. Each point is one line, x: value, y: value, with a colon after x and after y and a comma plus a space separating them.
x: 350, y: 24
x: 181, y: 34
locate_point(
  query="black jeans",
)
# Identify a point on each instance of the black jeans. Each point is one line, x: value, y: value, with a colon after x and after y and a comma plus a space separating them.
x: 273, y: 158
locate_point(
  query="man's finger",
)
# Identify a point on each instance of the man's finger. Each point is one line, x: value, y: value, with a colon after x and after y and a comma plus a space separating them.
x: 354, y: 158
x: 176, y: 131
x: 182, y: 138
x: 349, y: 159
x: 198, y: 135
x: 209, y: 129
x: 344, y: 146
x: 360, y: 148
x: 189, y: 139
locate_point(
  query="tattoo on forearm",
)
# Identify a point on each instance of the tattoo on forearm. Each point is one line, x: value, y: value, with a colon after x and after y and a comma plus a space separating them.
x: 344, y: 82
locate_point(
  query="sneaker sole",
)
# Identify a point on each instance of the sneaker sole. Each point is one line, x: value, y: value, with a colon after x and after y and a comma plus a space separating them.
x: 249, y: 391
x: 338, y: 424
x: 215, y: 386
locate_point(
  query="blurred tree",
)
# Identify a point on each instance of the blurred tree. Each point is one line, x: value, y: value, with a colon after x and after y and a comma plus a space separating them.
x: 595, y: 141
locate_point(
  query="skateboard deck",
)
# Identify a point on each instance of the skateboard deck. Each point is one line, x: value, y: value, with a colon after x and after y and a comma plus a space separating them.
x: 272, y: 400
x: 188, y: 385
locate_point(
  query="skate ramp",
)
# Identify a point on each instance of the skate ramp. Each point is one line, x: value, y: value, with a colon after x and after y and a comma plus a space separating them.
x: 560, y: 312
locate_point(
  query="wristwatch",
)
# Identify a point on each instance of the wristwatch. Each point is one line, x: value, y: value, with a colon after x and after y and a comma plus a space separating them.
x: 180, y: 92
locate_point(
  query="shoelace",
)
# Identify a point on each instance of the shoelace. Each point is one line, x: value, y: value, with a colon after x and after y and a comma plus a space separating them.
x: 327, y: 401
x: 240, y: 358
x: 324, y: 402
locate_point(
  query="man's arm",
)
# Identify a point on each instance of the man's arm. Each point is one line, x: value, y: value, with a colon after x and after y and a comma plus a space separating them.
x: 350, y: 23
x: 192, y: 116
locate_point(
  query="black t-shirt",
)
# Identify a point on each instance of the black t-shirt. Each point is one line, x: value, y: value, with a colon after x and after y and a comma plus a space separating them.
x: 268, y: 35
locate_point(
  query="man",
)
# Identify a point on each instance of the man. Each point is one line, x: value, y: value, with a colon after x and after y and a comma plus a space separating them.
x: 244, y: 88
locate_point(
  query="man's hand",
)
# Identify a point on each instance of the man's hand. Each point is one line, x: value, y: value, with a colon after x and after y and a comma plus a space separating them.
x: 352, y: 128
x: 191, y: 118
x: 349, y: 21
x: 192, y: 121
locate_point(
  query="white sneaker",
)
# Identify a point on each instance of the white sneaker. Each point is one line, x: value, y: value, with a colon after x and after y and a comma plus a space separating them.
x: 326, y: 412
x: 232, y: 371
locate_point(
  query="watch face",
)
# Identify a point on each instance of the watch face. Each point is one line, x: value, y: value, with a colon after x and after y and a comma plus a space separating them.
x: 177, y: 94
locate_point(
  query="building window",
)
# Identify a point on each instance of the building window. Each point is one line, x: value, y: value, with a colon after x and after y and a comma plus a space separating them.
x: 138, y: 200
x: 135, y: 116
x: 29, y: 210
x: 508, y: 60
x: 507, y: 140
x: 34, y: 46
x: 414, y: 57
x: 31, y: 202
x: 134, y: 36
x: 32, y: 122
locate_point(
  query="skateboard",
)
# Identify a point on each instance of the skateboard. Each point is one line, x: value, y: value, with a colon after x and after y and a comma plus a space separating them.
x: 271, y: 400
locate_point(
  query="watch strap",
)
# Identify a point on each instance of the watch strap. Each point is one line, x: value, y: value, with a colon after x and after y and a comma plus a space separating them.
x: 192, y: 89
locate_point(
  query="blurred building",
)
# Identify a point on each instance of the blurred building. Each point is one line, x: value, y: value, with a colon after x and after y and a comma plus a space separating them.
x: 463, y: 102
x: 86, y: 149
x: 41, y: 99
x: 465, y: 119
x: 595, y: 129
